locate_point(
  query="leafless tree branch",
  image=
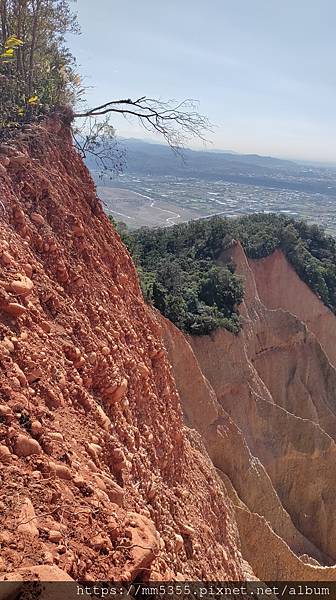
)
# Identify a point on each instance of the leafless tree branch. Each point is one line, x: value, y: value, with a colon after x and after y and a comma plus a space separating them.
x: 175, y: 121
x: 97, y: 139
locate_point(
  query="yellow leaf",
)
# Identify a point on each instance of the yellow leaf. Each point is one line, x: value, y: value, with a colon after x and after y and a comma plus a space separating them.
x: 13, y: 42
x: 8, y: 53
x: 33, y: 100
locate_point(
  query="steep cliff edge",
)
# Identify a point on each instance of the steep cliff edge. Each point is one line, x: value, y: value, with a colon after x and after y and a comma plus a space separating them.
x: 279, y: 286
x: 98, y: 474
x: 291, y: 428
x: 100, y: 478
x: 269, y: 428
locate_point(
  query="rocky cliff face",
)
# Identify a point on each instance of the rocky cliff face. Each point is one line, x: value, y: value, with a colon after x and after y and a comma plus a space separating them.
x: 264, y: 402
x: 99, y: 477
x: 280, y: 287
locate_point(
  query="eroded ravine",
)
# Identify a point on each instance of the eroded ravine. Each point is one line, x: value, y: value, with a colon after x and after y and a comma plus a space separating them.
x: 272, y: 438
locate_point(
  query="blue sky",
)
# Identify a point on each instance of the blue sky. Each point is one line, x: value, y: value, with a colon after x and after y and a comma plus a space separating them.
x: 263, y: 71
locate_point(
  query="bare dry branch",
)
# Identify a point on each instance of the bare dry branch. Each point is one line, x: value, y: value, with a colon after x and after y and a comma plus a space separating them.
x: 97, y: 139
x: 176, y: 122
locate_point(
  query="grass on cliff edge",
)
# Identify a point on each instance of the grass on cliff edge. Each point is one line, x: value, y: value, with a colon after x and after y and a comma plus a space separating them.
x: 180, y: 278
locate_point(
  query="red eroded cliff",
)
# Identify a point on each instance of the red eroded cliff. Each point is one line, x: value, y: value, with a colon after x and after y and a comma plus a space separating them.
x: 280, y: 287
x: 264, y: 402
x: 98, y: 475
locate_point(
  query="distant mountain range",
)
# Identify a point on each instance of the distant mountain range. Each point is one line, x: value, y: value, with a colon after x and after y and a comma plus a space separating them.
x: 146, y: 158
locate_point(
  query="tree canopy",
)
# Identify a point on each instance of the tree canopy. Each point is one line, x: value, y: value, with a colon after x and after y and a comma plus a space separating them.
x: 181, y: 277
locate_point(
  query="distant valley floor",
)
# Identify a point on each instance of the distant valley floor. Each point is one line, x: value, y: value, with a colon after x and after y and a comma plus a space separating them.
x: 161, y: 201
x: 138, y: 210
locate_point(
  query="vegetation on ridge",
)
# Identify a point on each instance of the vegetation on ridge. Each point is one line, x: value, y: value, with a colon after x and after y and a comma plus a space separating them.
x: 308, y: 248
x: 180, y: 277
x: 37, y: 70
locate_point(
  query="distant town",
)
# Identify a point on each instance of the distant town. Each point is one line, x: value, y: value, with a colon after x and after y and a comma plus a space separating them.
x: 158, y: 189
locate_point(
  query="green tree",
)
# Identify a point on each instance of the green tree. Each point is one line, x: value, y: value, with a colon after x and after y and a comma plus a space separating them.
x: 222, y: 289
x: 37, y: 71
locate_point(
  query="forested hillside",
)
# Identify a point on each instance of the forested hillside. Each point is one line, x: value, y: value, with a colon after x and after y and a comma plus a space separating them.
x: 180, y: 276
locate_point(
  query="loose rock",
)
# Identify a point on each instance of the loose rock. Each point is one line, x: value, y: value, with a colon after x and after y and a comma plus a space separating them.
x: 5, y: 455
x: 25, y: 446
x: 27, y: 519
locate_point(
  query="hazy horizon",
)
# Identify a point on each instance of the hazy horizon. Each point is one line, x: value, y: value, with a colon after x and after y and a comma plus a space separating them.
x: 262, y: 72
x: 213, y: 150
